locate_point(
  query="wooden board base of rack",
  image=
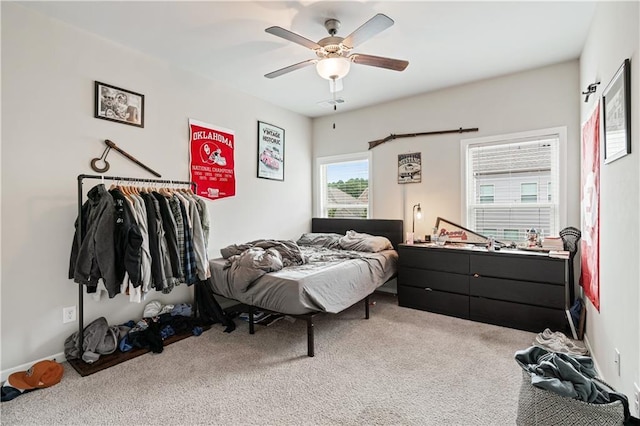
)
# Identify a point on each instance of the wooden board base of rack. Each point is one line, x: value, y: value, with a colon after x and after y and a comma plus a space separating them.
x: 106, y: 361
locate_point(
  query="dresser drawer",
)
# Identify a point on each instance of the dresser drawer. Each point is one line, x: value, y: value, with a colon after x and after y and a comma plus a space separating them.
x: 515, y: 315
x: 520, y: 267
x: 435, y: 280
x: 547, y: 295
x: 443, y: 260
x: 434, y: 301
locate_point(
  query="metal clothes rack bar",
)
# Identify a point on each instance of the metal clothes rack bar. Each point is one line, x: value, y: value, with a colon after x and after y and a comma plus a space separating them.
x: 79, y: 232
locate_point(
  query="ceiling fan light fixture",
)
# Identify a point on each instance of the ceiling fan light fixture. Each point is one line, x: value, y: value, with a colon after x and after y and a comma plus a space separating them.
x: 333, y: 68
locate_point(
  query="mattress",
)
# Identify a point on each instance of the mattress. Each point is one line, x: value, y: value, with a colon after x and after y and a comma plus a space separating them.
x: 328, y: 282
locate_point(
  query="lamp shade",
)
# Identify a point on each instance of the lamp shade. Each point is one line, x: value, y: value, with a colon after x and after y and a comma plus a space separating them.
x: 333, y: 68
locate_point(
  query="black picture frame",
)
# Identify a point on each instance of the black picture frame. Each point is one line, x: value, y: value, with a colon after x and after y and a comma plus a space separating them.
x: 410, y: 167
x: 270, y: 151
x: 616, y: 114
x: 119, y: 105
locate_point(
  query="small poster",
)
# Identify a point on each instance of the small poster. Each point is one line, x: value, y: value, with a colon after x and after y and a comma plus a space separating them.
x: 270, y: 151
x: 211, y: 160
x: 409, y: 168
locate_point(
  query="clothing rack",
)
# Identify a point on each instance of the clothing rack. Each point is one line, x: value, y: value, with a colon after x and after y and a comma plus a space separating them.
x: 81, y: 178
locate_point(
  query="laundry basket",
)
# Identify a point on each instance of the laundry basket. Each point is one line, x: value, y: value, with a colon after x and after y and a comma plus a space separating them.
x: 541, y: 407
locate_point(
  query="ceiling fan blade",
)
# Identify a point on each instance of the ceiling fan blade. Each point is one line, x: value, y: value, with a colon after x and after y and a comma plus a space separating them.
x: 288, y: 35
x: 379, y: 61
x: 290, y: 68
x: 373, y: 26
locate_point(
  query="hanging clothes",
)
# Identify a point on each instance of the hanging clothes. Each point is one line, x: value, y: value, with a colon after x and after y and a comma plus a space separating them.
x: 204, y: 218
x: 157, y: 275
x: 127, y: 240
x: 140, y: 215
x: 174, y: 204
x: 202, y: 262
x: 94, y: 257
x: 138, y: 240
x: 170, y: 240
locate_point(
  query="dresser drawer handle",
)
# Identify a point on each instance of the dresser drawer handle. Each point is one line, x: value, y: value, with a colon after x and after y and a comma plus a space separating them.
x: 428, y: 289
x: 476, y: 276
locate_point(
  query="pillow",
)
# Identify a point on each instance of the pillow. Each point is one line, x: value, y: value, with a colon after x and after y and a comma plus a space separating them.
x: 364, y: 242
x: 319, y: 239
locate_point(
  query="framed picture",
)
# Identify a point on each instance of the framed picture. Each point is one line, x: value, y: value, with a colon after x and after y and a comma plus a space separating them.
x: 410, y: 167
x: 120, y: 105
x: 616, y: 113
x: 270, y: 151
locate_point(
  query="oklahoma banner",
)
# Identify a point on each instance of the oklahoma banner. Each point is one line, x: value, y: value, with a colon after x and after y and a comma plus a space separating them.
x: 211, y: 160
x: 590, y: 208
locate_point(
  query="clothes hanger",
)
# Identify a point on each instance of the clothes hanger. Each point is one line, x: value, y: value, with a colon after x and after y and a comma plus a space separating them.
x: 164, y: 190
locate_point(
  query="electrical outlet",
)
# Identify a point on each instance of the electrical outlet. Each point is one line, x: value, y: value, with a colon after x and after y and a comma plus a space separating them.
x: 636, y: 396
x: 68, y: 314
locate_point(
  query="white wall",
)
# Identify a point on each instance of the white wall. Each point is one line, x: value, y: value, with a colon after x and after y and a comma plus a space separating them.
x: 615, y: 35
x: 49, y: 136
x: 536, y: 99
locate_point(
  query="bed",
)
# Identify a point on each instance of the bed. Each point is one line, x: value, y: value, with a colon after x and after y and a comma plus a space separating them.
x: 330, y: 279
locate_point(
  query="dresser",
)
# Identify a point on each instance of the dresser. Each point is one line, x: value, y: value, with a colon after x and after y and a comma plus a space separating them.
x: 511, y: 288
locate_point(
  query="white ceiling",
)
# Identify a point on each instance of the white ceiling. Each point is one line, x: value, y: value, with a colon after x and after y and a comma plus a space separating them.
x: 446, y: 43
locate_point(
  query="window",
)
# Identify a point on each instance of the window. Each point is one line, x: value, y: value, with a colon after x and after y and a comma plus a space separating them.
x: 502, y: 177
x: 489, y: 232
x: 486, y: 193
x: 343, y: 186
x: 513, y: 235
x: 529, y: 192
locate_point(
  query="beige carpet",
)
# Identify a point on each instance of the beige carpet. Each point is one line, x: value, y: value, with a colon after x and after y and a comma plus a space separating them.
x: 401, y: 366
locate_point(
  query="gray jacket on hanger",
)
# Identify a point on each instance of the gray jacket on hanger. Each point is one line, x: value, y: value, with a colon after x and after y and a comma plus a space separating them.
x: 94, y: 258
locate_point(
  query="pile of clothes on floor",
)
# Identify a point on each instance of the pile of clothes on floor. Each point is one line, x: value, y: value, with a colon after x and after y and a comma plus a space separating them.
x: 556, y: 341
x: 561, y: 365
x: 159, y: 322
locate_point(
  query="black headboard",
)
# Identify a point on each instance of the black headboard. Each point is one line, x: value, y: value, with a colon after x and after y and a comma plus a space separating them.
x: 390, y: 228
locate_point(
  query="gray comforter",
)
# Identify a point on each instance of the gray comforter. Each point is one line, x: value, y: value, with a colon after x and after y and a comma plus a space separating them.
x: 324, y: 280
x: 248, y: 262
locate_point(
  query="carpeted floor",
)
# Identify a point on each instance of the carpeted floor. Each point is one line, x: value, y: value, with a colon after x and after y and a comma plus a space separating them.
x: 400, y: 367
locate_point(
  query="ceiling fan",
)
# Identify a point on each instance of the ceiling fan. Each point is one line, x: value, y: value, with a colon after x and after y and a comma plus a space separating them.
x: 333, y: 53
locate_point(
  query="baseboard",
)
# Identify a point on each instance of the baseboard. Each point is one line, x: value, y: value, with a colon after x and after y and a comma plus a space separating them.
x: 24, y: 367
x: 595, y: 361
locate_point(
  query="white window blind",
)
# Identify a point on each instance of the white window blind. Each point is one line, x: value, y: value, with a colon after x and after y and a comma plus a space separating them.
x: 523, y: 175
x: 344, y: 186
